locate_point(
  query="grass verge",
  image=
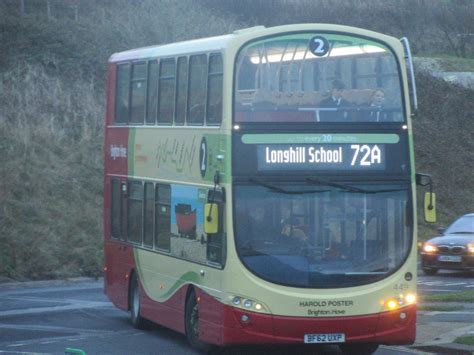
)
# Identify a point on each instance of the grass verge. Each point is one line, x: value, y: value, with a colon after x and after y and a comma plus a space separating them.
x: 440, y: 308
x: 463, y: 296
x: 466, y: 340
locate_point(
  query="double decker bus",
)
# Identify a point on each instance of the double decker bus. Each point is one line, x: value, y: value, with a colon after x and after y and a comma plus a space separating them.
x: 257, y: 191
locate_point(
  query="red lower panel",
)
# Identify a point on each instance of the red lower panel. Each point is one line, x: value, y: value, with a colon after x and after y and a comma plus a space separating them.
x: 384, y: 328
x: 169, y: 314
x: 222, y: 324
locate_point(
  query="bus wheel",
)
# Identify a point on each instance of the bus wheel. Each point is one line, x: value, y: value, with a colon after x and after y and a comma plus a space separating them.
x: 360, y: 349
x: 137, y: 320
x: 192, y: 324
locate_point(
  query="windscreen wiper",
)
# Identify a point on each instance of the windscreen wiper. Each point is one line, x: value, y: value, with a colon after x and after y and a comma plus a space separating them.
x: 319, y: 181
x: 281, y: 190
x: 346, y: 187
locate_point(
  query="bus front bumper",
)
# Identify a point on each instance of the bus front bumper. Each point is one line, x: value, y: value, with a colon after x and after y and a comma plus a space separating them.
x: 395, y: 327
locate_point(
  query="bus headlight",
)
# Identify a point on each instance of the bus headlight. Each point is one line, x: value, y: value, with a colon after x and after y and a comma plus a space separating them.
x: 400, y: 301
x: 248, y: 304
x: 410, y: 298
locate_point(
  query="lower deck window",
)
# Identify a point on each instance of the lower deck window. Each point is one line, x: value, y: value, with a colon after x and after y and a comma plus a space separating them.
x: 163, y: 217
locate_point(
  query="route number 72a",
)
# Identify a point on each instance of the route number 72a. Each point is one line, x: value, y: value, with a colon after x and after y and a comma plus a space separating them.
x: 365, y: 155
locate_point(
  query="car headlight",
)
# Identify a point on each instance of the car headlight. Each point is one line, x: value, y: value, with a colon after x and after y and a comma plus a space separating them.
x: 470, y: 248
x: 430, y: 248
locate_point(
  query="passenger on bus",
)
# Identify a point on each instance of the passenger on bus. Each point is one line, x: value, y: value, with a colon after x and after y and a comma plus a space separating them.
x: 290, y: 226
x: 374, y: 110
x: 335, y: 108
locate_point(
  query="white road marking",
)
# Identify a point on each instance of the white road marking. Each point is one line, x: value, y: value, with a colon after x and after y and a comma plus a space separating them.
x: 71, y: 307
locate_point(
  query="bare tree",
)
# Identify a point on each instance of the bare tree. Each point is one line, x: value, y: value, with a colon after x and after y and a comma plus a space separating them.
x: 454, y: 19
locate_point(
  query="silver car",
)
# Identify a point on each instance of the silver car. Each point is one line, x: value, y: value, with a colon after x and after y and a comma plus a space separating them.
x: 453, y: 250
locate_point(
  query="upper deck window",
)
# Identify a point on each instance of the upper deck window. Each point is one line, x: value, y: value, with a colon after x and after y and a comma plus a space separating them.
x: 317, y: 77
x: 180, y: 91
x: 167, y: 91
x: 137, y: 114
x: 122, y: 103
x: 152, y: 101
x: 197, y: 89
x: 214, y: 96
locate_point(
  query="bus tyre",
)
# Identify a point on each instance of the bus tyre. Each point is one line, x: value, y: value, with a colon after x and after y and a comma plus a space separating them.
x: 359, y: 349
x: 137, y: 320
x: 430, y: 271
x: 192, y: 324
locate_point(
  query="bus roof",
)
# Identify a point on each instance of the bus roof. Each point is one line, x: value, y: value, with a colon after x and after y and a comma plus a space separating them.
x: 218, y: 43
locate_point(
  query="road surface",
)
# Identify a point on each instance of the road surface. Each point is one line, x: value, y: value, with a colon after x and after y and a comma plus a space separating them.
x: 48, y: 318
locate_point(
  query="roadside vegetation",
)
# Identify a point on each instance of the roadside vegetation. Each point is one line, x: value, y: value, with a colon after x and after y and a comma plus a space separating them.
x: 52, y: 104
x: 440, y: 308
x: 463, y: 296
x: 466, y: 340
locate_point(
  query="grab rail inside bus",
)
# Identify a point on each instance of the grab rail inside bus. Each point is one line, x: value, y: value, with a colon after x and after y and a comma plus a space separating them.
x: 408, y: 58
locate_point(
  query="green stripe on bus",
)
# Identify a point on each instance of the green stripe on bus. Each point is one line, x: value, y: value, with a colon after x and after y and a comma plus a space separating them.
x: 218, y: 145
x: 189, y: 277
x: 319, y: 138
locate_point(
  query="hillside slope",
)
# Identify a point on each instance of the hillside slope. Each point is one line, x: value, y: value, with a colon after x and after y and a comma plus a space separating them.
x: 52, y: 79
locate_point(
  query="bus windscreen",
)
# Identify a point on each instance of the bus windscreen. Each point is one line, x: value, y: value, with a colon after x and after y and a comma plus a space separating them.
x: 322, y: 235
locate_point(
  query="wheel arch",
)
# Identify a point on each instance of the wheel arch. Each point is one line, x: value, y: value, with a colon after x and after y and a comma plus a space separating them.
x: 132, y: 273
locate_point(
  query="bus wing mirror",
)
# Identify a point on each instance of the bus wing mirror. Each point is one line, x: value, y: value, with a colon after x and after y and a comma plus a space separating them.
x: 423, y: 179
x: 211, y: 218
x: 430, y: 207
x: 430, y: 197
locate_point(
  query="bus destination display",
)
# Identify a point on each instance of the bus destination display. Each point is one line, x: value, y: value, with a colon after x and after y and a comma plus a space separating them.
x: 321, y: 157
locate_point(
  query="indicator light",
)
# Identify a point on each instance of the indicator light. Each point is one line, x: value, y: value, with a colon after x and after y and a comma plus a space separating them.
x: 392, y: 304
x: 248, y: 303
x: 258, y: 306
x: 236, y: 301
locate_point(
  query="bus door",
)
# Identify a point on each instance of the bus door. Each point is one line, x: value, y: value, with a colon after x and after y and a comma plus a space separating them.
x: 119, y: 255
